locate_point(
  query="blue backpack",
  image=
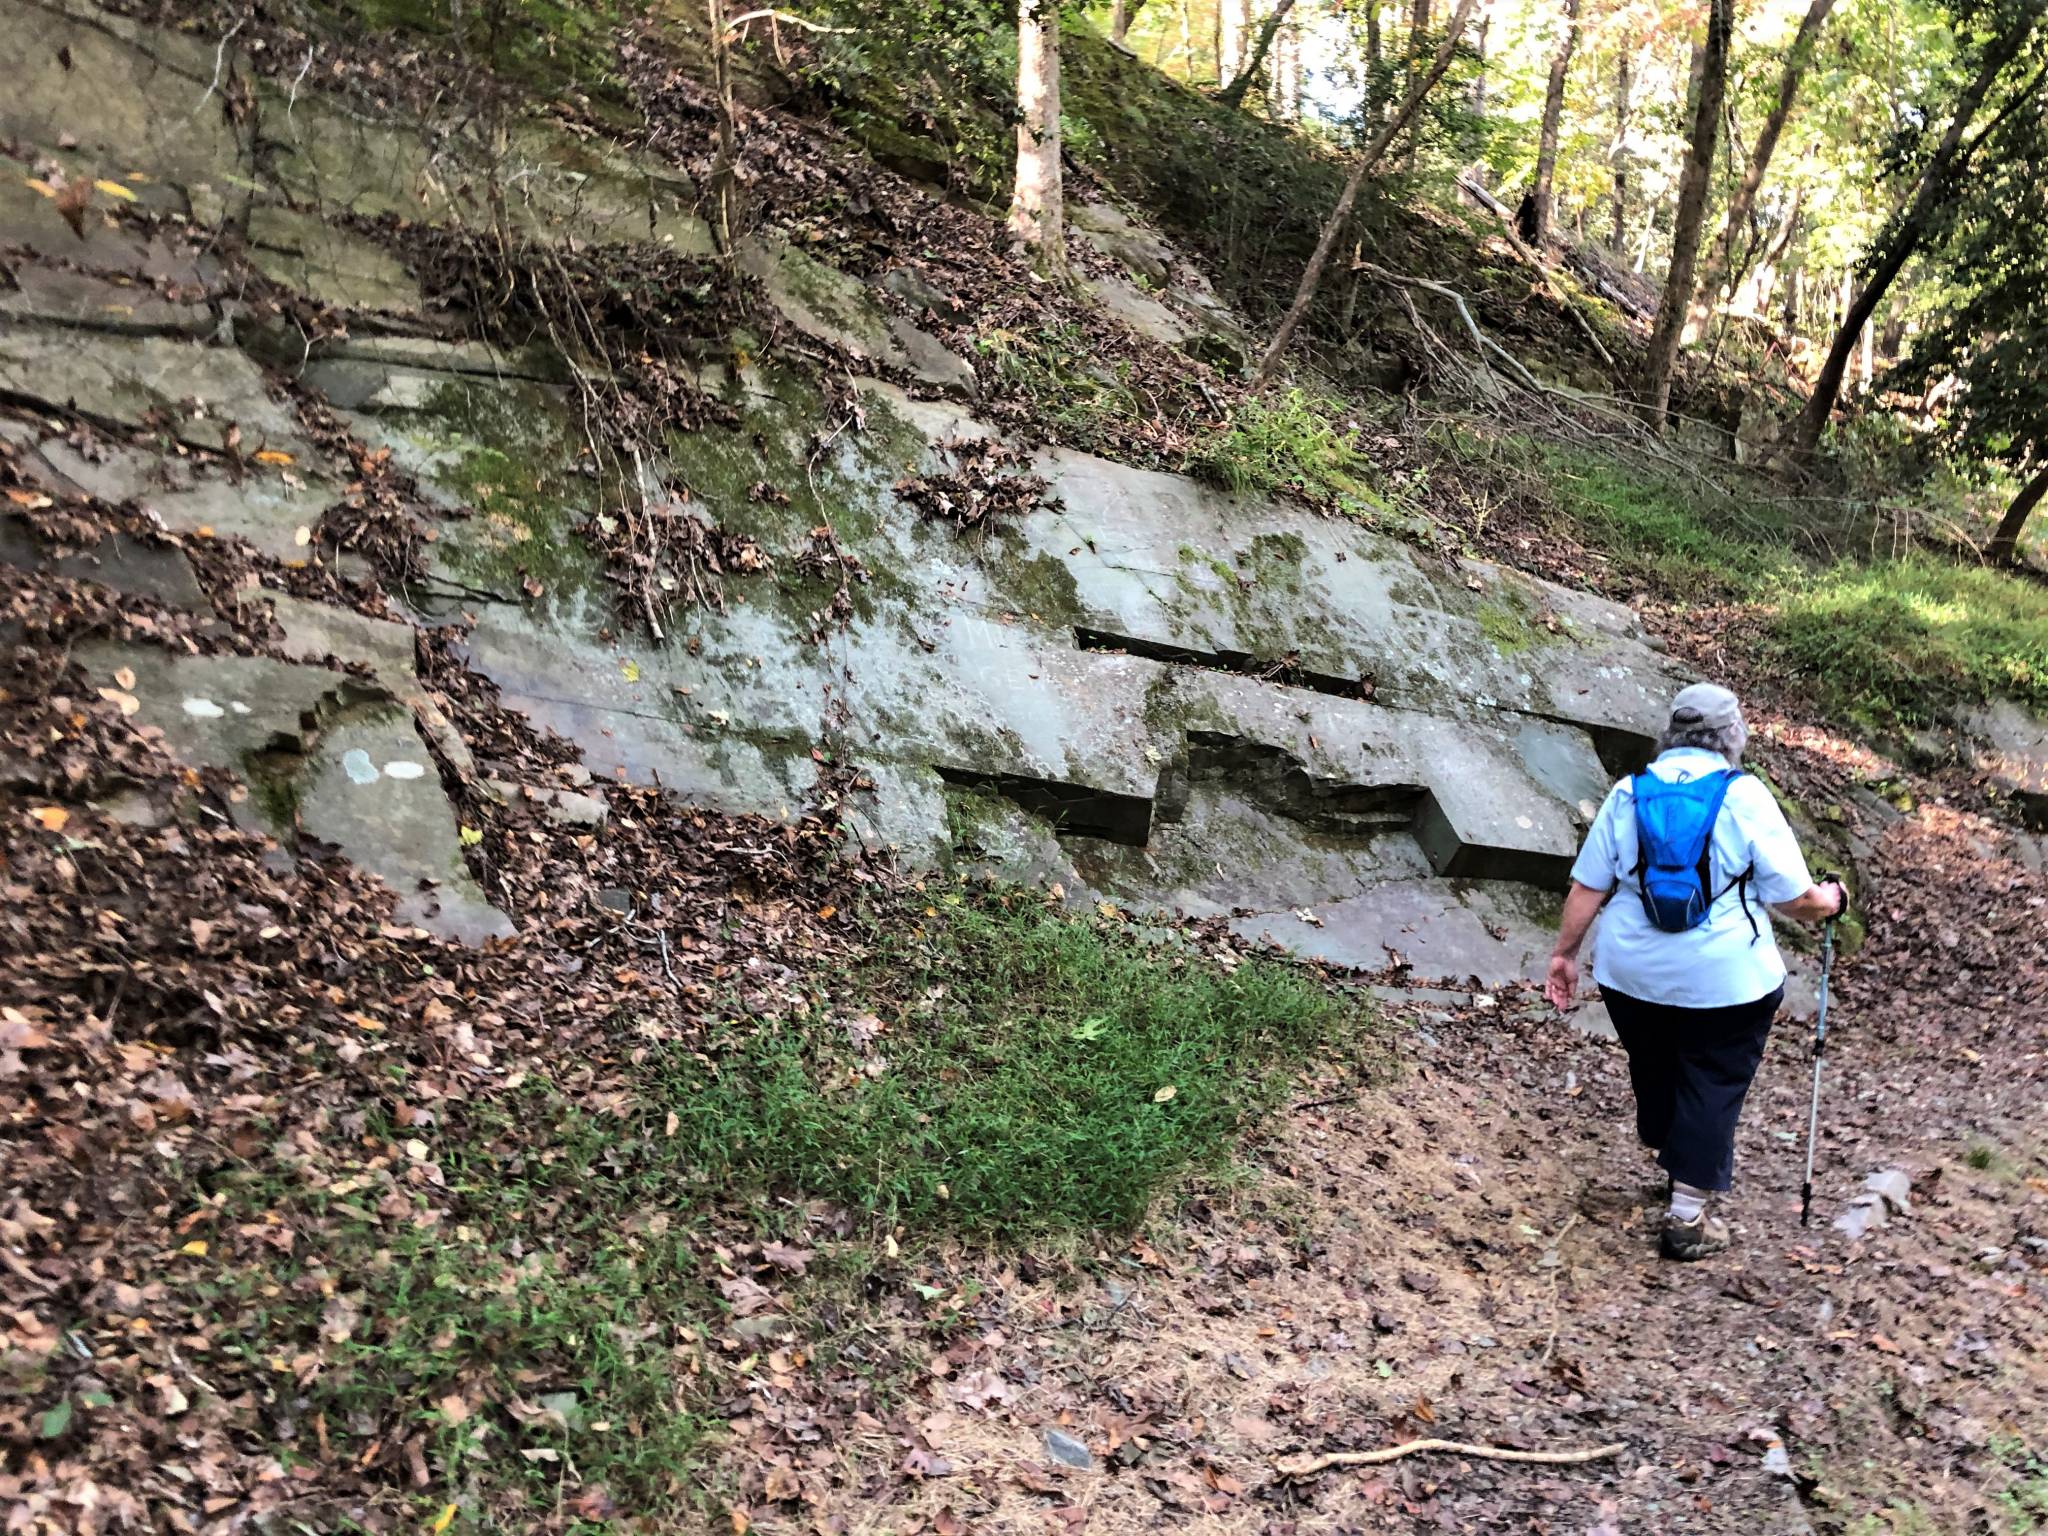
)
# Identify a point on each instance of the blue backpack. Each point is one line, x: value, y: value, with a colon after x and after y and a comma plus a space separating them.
x: 1675, y: 845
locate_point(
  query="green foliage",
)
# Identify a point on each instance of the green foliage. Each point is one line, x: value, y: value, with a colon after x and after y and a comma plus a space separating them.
x: 1286, y: 442
x: 1083, y: 395
x: 1034, y: 1076
x: 1901, y: 641
x: 924, y: 83
x: 540, y: 1311
x: 551, y: 1289
x: 1654, y: 529
x: 556, y: 46
x: 1885, y: 643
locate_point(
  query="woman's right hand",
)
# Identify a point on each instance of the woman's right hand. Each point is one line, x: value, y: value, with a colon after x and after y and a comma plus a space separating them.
x: 1562, y: 985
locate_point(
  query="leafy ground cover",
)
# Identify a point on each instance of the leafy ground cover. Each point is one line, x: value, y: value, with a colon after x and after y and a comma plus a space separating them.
x: 1882, y: 642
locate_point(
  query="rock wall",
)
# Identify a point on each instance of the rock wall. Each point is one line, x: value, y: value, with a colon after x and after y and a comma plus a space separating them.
x: 1131, y: 684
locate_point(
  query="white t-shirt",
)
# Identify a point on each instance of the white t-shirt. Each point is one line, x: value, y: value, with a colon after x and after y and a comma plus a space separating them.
x: 1722, y: 962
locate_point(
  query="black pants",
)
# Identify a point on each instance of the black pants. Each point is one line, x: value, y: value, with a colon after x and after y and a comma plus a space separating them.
x: 1691, y: 1068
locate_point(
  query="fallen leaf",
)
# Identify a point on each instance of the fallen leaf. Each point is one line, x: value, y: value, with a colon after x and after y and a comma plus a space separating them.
x: 72, y: 199
x: 787, y: 1259
x: 125, y: 677
x: 271, y: 456
x: 443, y: 1520
x: 195, y: 1249
x: 115, y: 189
x: 53, y: 817
x: 1164, y: 1094
x: 127, y: 703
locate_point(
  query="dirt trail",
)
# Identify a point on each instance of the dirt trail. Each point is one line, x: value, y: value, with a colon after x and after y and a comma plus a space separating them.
x: 1466, y: 1251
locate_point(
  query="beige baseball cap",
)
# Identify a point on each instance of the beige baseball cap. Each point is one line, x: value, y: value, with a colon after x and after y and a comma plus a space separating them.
x: 1706, y: 704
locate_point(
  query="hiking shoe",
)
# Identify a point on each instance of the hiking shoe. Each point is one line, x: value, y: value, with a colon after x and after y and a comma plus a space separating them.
x: 1697, y: 1239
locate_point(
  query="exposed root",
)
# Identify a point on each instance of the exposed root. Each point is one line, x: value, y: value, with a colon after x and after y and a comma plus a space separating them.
x: 1309, y: 1466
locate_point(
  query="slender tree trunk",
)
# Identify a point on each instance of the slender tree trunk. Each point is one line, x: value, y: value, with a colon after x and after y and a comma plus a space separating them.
x: 1904, y: 238
x: 1233, y: 93
x: 1287, y: 73
x: 723, y: 176
x: 1121, y: 14
x: 2005, y: 540
x: 1418, y: 33
x: 1037, y: 207
x: 1692, y: 209
x: 1762, y: 281
x: 1624, y: 82
x: 1720, y: 260
x: 1479, y: 78
x: 1367, y: 159
x: 1533, y: 218
x: 1233, y: 29
x: 1372, y: 62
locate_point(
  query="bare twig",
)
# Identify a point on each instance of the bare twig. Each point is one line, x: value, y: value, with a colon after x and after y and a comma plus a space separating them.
x: 1549, y: 282
x: 1309, y: 1466
x: 220, y: 56
x: 733, y: 26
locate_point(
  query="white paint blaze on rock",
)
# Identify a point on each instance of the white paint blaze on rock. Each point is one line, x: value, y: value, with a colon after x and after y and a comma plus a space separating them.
x: 403, y: 769
x: 203, y: 709
x: 357, y: 765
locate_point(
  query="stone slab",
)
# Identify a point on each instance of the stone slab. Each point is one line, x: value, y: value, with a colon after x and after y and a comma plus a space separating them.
x: 324, y: 754
x: 2010, y: 744
x: 262, y: 507
x: 556, y: 186
x: 333, y: 265
x: 62, y: 297
x: 825, y: 303
x: 126, y: 98
x: 197, y: 391
x: 128, y: 565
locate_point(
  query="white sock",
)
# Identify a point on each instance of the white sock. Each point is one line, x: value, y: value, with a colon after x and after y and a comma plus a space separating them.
x: 1687, y: 1203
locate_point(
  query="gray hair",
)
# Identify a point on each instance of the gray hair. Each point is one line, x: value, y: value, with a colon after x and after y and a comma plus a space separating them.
x: 1731, y: 741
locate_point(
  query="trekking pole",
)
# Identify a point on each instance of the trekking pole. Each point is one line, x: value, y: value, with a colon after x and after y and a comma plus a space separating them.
x: 1820, y: 1045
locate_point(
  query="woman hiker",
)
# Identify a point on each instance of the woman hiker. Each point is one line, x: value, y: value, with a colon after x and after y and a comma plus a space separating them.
x: 1686, y: 960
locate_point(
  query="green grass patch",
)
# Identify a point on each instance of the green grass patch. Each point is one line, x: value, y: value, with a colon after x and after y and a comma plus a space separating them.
x: 1284, y: 442
x: 1902, y: 641
x: 1024, y: 1076
x: 519, y: 1294
x: 1885, y: 643
x: 1084, y: 397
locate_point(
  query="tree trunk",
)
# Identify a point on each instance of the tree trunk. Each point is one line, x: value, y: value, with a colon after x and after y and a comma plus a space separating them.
x: 1756, y: 288
x: 1720, y: 260
x: 1479, y: 77
x: 1904, y: 238
x: 1372, y: 62
x: 1287, y: 72
x: 1233, y: 28
x: 723, y: 174
x: 1334, y: 225
x: 1533, y: 219
x: 2005, y: 540
x: 1692, y: 210
x: 1037, y: 207
x: 1121, y: 14
x: 1624, y: 82
x: 1418, y: 31
x: 1233, y: 93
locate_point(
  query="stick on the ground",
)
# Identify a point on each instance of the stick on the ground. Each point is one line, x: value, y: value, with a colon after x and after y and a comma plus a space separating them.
x: 1309, y: 1466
